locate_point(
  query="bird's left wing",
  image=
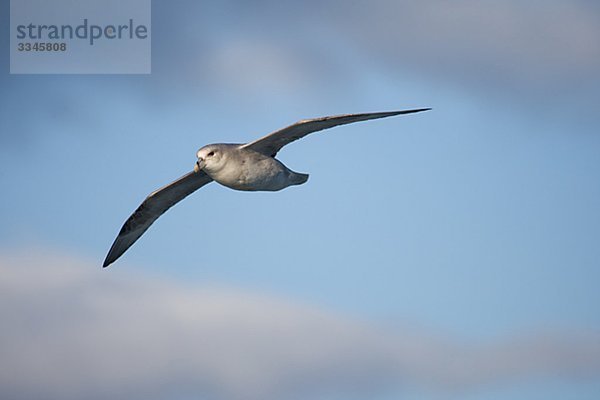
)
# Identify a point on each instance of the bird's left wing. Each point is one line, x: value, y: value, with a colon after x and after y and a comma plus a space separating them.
x: 153, y: 207
x: 269, y: 145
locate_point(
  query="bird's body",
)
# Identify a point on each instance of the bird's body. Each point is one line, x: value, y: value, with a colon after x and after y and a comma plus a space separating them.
x: 244, y: 169
x: 248, y: 167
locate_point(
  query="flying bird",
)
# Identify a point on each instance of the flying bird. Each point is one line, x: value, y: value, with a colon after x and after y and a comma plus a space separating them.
x: 249, y: 167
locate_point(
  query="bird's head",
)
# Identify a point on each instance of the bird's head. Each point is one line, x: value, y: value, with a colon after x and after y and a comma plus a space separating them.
x: 211, y: 158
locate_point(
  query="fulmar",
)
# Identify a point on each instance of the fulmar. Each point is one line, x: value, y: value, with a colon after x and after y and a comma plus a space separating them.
x: 249, y: 167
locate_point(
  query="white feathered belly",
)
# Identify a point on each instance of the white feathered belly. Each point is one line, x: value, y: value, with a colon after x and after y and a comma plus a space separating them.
x: 267, y: 174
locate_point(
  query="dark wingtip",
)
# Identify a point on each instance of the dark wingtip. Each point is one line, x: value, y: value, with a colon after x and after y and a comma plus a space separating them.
x: 111, y: 257
x: 419, y: 110
x: 404, y: 112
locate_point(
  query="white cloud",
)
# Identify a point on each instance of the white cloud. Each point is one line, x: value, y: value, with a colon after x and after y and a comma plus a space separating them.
x: 505, y: 45
x: 252, y: 64
x: 71, y: 331
x: 527, y: 44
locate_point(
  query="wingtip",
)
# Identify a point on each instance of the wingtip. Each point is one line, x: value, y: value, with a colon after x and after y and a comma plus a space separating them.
x: 110, y: 258
x: 411, y: 111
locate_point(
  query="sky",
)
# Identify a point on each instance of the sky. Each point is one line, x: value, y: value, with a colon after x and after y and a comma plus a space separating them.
x: 441, y: 255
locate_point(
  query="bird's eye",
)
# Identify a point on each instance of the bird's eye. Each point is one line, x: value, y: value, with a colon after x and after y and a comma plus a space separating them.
x: 212, y: 153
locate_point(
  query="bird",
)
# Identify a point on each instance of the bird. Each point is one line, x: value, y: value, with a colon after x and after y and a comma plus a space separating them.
x: 247, y: 167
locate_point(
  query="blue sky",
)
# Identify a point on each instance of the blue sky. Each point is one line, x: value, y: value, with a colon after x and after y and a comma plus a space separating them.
x: 449, y: 254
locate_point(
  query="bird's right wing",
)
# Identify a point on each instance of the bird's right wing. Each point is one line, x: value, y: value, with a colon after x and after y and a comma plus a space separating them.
x: 269, y: 145
x: 156, y: 204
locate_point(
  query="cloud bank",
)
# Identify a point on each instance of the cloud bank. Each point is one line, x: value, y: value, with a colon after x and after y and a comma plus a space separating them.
x: 72, y: 331
x: 530, y: 44
x: 525, y: 49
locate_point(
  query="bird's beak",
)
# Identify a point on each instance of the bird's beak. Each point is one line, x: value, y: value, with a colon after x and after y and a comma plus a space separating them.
x: 199, y: 165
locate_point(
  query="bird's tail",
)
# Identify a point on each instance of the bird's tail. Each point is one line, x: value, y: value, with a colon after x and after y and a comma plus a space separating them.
x: 297, y: 178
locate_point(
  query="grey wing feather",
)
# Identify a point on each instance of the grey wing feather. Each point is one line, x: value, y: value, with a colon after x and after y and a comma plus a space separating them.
x: 156, y: 204
x: 269, y: 145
